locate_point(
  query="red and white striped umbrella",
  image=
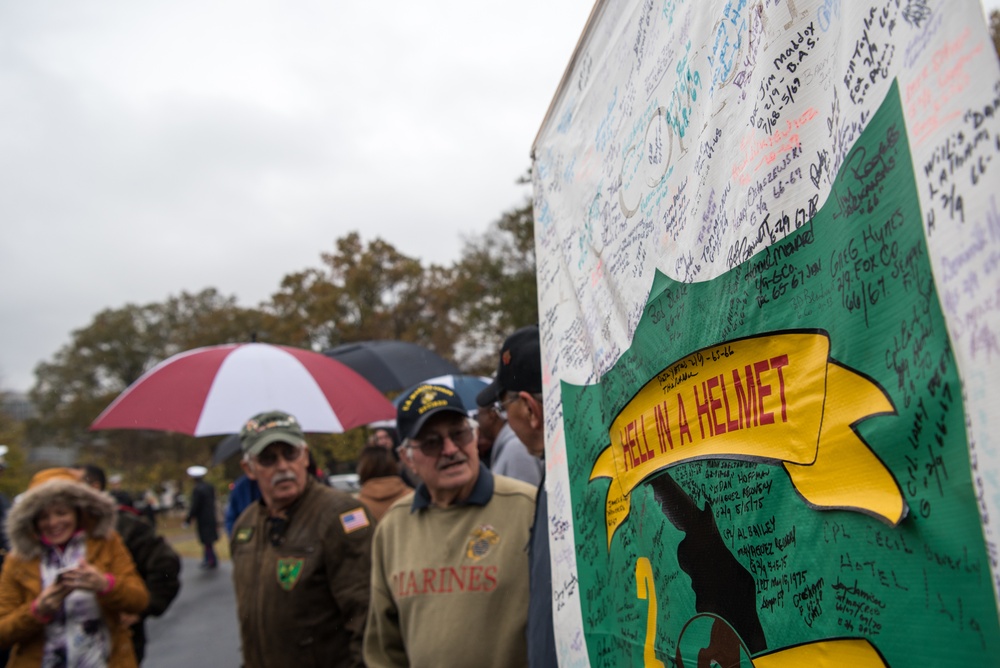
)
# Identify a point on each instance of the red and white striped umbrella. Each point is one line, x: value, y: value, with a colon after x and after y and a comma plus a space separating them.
x: 215, y: 390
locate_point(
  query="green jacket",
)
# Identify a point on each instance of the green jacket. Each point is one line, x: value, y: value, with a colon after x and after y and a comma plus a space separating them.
x: 302, y: 596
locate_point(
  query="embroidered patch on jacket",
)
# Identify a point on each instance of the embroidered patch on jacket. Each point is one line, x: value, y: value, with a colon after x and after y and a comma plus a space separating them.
x: 483, y: 538
x: 354, y: 520
x: 289, y: 571
x: 243, y: 535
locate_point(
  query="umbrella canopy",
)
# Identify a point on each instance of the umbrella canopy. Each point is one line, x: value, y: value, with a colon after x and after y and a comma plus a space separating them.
x: 226, y: 448
x: 392, y: 365
x: 215, y: 390
x: 466, y: 387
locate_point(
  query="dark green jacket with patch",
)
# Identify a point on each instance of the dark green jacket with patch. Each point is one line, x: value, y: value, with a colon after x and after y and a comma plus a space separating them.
x: 302, y: 585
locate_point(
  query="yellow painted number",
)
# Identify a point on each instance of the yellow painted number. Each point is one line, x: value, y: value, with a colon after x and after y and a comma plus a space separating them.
x: 646, y: 589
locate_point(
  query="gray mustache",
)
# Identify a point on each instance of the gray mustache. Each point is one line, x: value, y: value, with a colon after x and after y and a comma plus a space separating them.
x: 451, y: 460
x: 282, y: 477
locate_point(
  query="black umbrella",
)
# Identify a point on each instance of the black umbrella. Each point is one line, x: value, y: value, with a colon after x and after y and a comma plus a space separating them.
x: 392, y: 365
x: 226, y: 448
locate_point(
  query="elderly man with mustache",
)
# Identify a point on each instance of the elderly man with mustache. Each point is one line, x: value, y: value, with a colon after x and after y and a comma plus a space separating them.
x: 449, y: 566
x: 301, y: 556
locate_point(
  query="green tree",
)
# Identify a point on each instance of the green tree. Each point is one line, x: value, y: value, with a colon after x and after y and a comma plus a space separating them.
x: 363, y: 291
x: 301, y: 307
x: 102, y: 359
x: 376, y: 286
x: 15, y: 476
x: 435, y: 322
x: 111, y: 353
x: 209, y: 318
x: 495, y: 289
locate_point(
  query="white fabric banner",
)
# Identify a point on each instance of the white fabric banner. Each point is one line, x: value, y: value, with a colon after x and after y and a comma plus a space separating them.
x: 753, y: 220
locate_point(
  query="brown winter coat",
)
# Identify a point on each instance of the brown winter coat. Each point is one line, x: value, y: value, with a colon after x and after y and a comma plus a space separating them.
x: 379, y: 493
x: 20, y: 581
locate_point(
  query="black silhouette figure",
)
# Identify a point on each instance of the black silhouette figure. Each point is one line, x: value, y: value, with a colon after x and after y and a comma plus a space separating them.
x: 722, y: 586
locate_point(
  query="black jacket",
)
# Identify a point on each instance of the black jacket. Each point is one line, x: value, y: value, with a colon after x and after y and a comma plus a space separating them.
x: 158, y: 565
x: 203, y: 512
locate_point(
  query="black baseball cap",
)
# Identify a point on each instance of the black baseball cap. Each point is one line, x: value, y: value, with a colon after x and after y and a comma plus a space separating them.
x: 423, y: 402
x: 519, y: 369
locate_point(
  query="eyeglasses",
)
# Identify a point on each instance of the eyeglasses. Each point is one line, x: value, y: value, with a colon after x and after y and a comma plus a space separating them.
x: 500, y: 407
x: 287, y: 451
x: 434, y: 444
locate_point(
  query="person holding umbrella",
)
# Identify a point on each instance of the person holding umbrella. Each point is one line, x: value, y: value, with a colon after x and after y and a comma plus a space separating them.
x: 202, y: 511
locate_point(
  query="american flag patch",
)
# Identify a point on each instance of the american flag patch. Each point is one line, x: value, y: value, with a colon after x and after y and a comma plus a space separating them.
x: 354, y: 520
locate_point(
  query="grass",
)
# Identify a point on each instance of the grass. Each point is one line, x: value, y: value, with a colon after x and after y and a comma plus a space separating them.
x: 184, y: 540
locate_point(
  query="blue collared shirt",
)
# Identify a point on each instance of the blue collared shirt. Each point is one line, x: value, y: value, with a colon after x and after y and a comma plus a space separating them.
x: 481, y: 494
x: 540, y: 631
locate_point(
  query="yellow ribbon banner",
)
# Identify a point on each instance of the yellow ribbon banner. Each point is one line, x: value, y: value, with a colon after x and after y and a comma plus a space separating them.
x: 854, y: 652
x: 763, y: 398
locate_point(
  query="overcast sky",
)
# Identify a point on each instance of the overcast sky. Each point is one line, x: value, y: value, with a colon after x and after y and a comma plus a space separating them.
x: 154, y: 147
x: 149, y: 148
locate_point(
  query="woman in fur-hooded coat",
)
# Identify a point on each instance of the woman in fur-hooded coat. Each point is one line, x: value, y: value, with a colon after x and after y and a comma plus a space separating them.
x: 64, y: 586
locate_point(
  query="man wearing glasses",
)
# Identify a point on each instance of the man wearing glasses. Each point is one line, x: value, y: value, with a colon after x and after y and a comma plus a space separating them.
x: 501, y: 450
x: 301, y: 556
x: 449, y: 570
x: 516, y: 391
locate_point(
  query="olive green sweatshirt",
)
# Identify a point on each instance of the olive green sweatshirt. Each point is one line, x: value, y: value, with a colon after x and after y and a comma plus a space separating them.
x: 450, y: 585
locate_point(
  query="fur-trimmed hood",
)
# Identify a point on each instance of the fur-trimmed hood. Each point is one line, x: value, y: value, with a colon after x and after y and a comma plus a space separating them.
x: 97, y: 513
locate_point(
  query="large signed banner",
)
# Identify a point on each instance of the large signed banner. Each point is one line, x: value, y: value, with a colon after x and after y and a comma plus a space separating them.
x: 768, y: 247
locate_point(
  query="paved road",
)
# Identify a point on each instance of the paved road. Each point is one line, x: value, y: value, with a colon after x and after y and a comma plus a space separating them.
x: 199, y: 629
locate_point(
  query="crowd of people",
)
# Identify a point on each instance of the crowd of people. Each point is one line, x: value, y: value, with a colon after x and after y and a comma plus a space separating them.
x: 448, y: 530
x: 437, y: 537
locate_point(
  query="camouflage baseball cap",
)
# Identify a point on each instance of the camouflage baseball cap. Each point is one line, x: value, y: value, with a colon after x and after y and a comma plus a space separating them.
x: 270, y: 427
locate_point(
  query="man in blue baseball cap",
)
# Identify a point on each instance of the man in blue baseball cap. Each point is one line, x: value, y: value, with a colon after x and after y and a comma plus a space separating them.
x: 449, y: 571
